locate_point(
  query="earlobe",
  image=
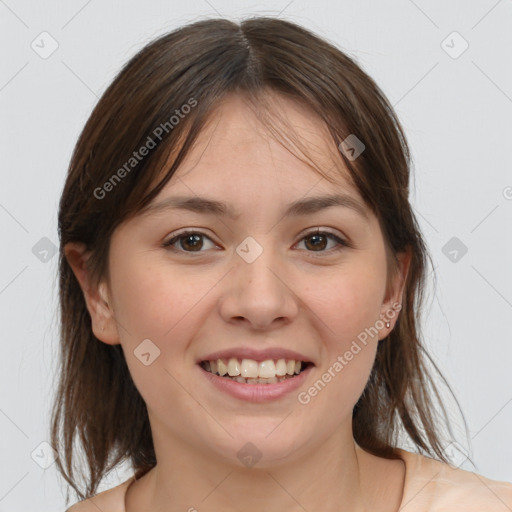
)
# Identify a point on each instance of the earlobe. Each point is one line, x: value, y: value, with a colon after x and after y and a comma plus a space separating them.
x: 393, y: 303
x: 96, y: 298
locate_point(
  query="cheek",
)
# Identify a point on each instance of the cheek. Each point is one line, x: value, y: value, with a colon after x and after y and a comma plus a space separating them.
x: 339, y: 383
x: 347, y: 307
x: 348, y: 303
x: 154, y: 303
x: 152, y: 300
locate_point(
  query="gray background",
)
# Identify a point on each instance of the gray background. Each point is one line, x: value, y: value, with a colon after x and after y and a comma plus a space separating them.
x: 456, y: 109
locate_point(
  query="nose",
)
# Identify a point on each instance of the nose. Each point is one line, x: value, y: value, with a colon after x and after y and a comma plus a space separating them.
x: 259, y: 294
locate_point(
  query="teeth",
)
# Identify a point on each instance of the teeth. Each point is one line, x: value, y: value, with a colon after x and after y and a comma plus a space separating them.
x: 221, y: 367
x: 233, y: 367
x: 267, y: 369
x: 281, y: 367
x: 249, y: 368
x: 272, y: 380
x: 251, y: 372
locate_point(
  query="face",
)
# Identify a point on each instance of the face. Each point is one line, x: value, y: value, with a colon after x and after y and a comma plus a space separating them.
x: 254, y: 283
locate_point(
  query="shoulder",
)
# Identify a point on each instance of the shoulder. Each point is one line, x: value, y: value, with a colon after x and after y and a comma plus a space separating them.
x: 431, y: 485
x: 111, y: 500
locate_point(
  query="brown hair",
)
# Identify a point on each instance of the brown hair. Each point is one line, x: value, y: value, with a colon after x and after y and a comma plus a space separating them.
x: 196, y: 66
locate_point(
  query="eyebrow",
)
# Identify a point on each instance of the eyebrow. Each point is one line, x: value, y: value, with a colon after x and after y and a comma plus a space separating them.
x: 300, y: 207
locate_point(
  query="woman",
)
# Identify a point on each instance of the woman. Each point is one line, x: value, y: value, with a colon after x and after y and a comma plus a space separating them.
x: 241, y: 278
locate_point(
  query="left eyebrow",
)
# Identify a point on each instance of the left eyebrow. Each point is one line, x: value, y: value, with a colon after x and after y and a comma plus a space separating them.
x: 300, y: 207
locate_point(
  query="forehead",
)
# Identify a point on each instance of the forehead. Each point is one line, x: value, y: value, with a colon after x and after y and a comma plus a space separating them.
x: 275, y: 143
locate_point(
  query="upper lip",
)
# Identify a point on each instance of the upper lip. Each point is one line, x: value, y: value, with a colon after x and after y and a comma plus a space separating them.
x: 240, y: 353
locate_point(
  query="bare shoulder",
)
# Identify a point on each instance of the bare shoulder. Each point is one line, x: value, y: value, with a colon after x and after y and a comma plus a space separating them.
x: 90, y: 505
x: 111, y: 500
x: 445, y: 487
x: 81, y: 506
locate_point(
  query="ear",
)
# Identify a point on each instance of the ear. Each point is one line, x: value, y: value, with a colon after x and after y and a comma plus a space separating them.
x: 393, y: 301
x: 97, y: 299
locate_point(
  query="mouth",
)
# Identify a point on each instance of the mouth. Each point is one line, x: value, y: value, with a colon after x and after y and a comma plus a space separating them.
x: 250, y: 371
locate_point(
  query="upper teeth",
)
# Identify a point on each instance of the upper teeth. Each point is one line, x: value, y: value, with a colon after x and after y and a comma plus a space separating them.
x: 249, y: 368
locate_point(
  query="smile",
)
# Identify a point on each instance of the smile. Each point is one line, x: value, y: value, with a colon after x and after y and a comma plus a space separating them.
x: 249, y: 371
x: 252, y: 381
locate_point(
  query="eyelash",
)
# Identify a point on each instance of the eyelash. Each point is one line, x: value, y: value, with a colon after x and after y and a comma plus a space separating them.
x: 342, y: 244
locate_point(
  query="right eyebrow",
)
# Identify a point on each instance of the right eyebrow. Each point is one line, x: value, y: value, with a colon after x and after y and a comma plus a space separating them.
x: 211, y: 206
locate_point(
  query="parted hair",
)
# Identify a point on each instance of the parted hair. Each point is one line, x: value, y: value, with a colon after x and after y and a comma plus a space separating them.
x: 97, y: 408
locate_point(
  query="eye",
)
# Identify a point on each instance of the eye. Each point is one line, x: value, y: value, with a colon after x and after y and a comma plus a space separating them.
x: 189, y: 241
x: 318, y: 240
x: 193, y: 242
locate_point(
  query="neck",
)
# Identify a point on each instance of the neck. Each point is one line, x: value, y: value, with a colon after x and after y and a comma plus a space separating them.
x: 327, y: 477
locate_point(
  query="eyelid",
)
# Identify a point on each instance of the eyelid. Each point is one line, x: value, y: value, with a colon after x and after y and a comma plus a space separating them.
x: 323, y: 230
x: 341, y: 240
x: 174, y: 237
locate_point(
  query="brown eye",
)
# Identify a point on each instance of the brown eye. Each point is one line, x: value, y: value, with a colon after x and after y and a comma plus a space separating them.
x: 193, y: 242
x: 318, y: 241
x: 188, y: 242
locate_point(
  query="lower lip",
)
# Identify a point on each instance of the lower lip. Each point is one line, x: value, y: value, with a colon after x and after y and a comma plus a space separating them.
x: 256, y: 392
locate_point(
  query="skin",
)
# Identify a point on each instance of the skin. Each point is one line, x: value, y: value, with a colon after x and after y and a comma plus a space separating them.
x: 315, y: 302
